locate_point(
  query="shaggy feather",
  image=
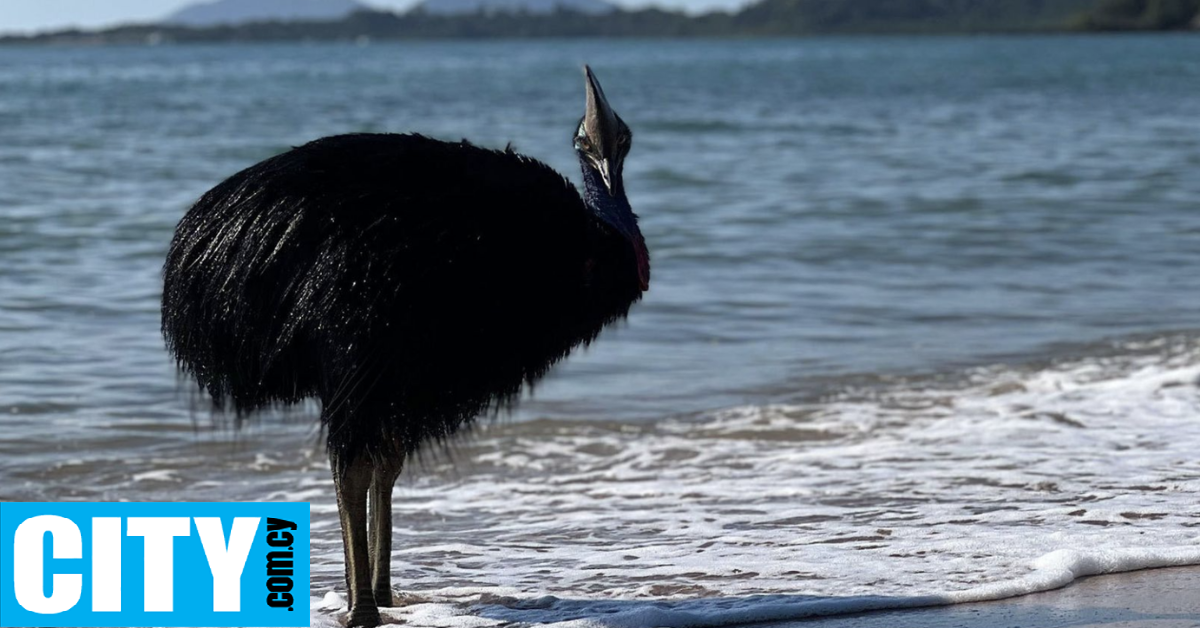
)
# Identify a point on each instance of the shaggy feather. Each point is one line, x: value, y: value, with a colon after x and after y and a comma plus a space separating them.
x: 408, y: 284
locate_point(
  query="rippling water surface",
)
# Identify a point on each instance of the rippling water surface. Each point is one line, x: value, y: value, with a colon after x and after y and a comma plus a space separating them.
x: 922, y: 310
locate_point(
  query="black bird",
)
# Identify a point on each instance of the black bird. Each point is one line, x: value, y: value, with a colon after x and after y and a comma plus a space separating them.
x: 408, y: 284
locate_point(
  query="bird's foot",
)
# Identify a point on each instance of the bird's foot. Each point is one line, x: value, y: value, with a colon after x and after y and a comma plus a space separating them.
x: 364, y: 614
x: 383, y: 598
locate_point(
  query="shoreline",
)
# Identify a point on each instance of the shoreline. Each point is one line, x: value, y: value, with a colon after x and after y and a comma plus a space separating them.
x: 1158, y: 598
x: 151, y: 36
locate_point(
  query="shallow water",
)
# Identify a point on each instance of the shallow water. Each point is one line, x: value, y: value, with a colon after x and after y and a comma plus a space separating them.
x: 922, y: 309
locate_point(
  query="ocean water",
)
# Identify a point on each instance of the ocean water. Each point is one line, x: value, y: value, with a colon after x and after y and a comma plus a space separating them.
x: 924, y: 324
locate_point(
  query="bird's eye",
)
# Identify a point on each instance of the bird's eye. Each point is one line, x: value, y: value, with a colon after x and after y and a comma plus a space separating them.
x: 583, y: 143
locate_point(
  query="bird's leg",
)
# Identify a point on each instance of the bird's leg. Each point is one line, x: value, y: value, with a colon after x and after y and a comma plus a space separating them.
x: 383, y: 478
x: 352, y: 479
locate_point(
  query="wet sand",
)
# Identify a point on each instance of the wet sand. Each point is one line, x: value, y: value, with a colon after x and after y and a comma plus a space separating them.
x: 1159, y: 598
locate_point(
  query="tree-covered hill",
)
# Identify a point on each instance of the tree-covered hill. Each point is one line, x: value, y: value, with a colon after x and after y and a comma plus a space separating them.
x: 1127, y: 15
x: 214, y: 12
x: 907, y: 16
x: 764, y: 18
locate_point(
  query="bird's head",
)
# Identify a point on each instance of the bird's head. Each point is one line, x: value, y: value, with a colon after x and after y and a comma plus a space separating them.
x: 602, y: 141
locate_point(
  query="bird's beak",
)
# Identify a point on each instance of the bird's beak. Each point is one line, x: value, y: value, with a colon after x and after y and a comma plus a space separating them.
x: 605, y: 168
x: 600, y: 121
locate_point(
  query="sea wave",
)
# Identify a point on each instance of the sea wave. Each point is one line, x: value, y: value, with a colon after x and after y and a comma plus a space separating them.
x: 1009, y: 480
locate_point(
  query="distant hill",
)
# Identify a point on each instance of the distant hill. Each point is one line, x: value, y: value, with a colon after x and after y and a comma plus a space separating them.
x: 441, y: 19
x: 1138, y: 15
x: 223, y: 12
x: 532, y: 7
x: 911, y: 16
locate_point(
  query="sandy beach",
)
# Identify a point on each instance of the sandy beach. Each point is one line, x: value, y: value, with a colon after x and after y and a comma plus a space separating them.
x: 1157, y: 598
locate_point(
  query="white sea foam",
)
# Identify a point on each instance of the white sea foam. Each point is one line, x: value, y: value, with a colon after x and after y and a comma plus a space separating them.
x: 978, y: 485
x: 468, y: 608
x: 1013, y: 481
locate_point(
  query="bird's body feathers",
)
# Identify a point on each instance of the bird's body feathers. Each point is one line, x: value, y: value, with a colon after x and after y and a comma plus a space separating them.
x: 409, y: 284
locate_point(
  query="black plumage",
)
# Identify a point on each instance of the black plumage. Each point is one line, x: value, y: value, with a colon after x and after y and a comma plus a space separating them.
x: 408, y: 284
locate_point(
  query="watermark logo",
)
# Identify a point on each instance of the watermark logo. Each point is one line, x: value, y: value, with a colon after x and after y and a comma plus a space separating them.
x: 154, y: 564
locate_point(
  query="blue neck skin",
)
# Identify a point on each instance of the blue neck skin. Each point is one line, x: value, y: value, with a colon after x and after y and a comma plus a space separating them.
x: 613, y: 208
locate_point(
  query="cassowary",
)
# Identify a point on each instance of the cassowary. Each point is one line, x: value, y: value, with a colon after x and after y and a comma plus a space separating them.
x: 409, y: 285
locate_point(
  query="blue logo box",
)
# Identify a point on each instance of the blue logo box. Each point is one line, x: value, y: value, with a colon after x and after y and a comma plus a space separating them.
x: 154, y: 564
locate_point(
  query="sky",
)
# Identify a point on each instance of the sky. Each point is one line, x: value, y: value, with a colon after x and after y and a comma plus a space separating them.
x: 22, y: 16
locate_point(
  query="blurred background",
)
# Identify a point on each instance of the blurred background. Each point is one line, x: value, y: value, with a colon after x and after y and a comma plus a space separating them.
x: 845, y: 203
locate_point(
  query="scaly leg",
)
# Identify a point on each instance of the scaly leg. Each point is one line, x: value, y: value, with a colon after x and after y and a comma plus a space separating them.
x: 352, y: 481
x: 383, y: 479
